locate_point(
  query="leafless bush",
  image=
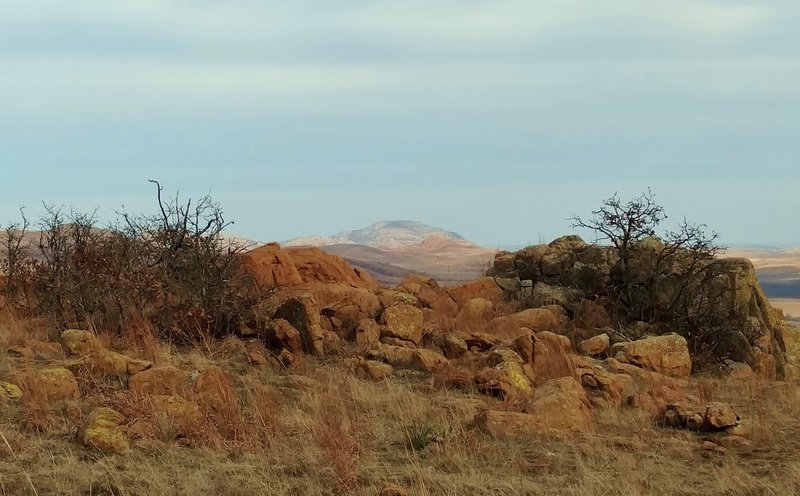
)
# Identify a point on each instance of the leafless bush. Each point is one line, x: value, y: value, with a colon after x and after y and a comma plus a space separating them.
x: 174, y: 270
x: 669, y: 277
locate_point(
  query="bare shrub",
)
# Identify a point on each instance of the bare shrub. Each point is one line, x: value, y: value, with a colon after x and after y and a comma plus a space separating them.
x: 174, y: 271
x: 668, y: 277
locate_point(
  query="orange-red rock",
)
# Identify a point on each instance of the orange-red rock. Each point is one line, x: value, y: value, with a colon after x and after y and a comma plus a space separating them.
x: 271, y: 266
x: 314, y: 265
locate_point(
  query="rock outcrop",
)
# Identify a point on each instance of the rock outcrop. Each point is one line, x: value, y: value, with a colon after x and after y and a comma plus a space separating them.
x: 745, y: 327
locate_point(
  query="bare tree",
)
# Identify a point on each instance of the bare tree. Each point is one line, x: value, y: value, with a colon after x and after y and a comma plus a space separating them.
x: 197, y: 269
x: 656, y: 277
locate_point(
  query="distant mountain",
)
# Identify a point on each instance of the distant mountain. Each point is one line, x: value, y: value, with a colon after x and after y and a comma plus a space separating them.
x: 390, y: 234
x: 392, y: 250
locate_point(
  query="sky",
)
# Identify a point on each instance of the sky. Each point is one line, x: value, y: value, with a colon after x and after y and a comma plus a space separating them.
x: 494, y: 119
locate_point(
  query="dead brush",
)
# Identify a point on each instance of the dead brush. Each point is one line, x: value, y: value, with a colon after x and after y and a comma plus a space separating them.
x: 338, y: 438
x: 452, y: 377
x: 705, y: 390
x: 262, y: 415
x: 140, y: 339
x: 94, y: 382
x: 760, y: 412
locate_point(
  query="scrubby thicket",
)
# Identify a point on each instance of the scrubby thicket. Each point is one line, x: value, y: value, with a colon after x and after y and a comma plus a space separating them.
x: 173, y: 270
x: 155, y: 357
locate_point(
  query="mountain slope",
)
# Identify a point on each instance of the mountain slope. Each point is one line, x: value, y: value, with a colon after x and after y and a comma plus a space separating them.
x: 392, y: 250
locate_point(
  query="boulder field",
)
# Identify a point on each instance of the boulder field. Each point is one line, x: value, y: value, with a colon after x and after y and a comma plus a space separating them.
x: 520, y: 339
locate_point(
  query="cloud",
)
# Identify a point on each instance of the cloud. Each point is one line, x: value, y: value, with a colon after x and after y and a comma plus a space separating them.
x: 387, y: 95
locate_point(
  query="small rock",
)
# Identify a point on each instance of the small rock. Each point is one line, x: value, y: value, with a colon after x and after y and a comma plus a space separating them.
x: 454, y: 346
x: 286, y: 335
x: 80, y: 343
x: 428, y: 360
x: 367, y: 333
x: 719, y: 416
x: 373, y: 370
x: 712, y: 447
x: 104, y: 430
x: 10, y: 391
x: 597, y: 345
x: 163, y: 380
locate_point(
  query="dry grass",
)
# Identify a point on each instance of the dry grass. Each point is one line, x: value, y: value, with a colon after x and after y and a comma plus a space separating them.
x: 341, y: 435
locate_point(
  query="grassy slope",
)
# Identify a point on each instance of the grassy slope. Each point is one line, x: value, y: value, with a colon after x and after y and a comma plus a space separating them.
x: 348, y: 435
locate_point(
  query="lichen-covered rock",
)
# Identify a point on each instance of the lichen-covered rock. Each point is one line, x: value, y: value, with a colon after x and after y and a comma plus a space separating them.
x: 562, y: 404
x: 54, y: 384
x: 10, y: 391
x: 558, y: 406
x: 403, y: 322
x: 667, y: 354
x: 394, y: 355
x: 596, y: 345
x: 475, y: 315
x: 428, y: 360
x: 368, y: 333
x: 504, y: 380
x: 104, y: 430
x: 79, y: 343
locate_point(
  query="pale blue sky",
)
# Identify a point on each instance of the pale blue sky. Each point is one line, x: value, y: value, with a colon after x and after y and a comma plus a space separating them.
x: 495, y: 119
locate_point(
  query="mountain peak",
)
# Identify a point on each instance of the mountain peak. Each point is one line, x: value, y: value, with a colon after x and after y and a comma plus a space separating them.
x: 382, y: 234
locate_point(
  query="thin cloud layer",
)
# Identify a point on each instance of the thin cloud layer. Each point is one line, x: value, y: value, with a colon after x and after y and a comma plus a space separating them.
x: 376, y: 100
